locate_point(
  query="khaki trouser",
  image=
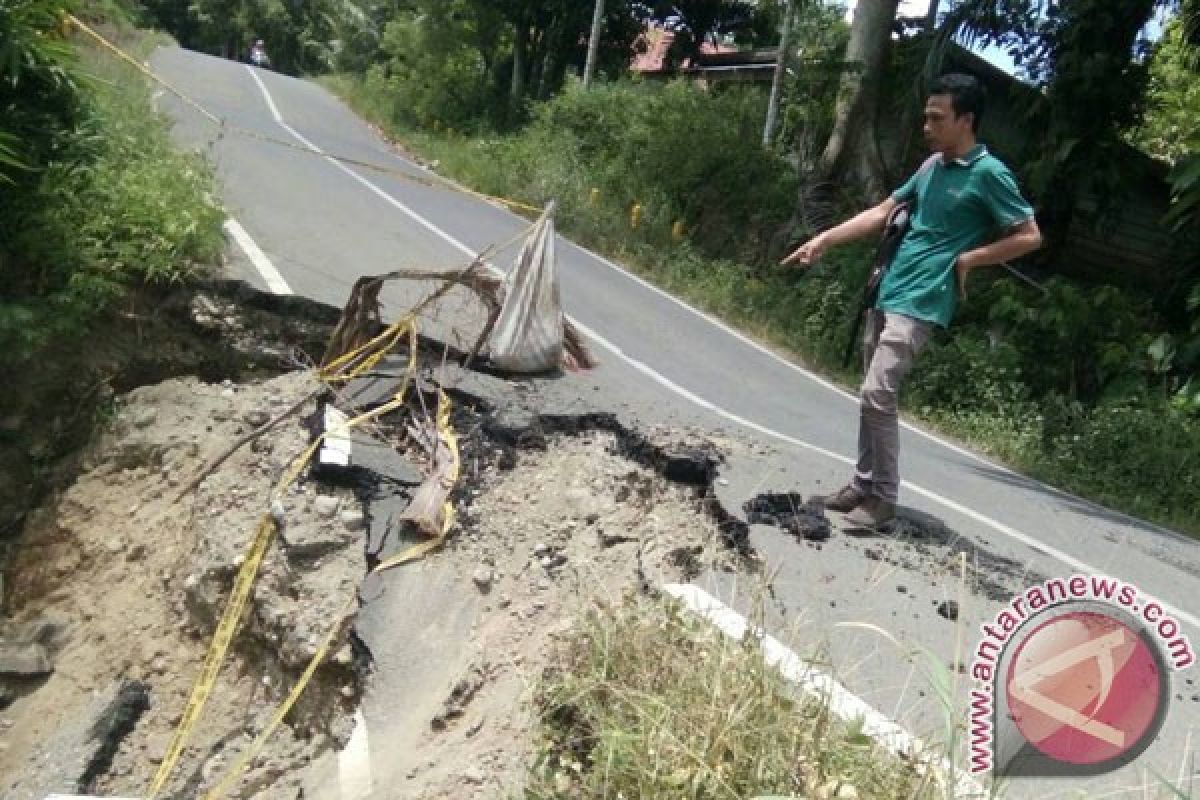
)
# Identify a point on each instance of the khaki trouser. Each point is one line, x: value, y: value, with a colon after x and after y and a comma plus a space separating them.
x: 891, y: 343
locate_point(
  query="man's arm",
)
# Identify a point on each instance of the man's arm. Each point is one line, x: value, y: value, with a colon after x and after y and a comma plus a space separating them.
x: 864, y: 224
x: 1024, y: 237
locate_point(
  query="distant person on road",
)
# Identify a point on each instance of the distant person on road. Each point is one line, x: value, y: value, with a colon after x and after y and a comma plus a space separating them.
x: 258, y: 54
x: 960, y: 197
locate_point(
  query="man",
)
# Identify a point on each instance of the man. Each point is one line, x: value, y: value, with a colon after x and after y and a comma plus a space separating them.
x: 963, y: 196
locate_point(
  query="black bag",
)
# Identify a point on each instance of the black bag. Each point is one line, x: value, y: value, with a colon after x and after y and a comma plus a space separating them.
x: 894, y: 231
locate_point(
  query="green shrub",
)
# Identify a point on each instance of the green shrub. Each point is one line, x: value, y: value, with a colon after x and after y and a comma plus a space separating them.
x: 118, y: 206
x: 1144, y: 459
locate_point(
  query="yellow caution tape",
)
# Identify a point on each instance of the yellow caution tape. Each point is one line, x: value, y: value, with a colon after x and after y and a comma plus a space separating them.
x: 450, y: 440
x: 216, y: 651
x: 264, y: 536
x: 227, y: 126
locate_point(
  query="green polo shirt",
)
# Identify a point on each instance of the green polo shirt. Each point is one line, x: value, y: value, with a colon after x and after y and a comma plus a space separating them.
x: 960, y: 203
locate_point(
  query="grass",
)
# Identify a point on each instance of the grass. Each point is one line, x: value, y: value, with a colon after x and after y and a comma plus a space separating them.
x: 125, y: 209
x: 650, y: 702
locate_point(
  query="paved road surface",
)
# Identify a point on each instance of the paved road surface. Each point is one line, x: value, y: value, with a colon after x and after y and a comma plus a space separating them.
x: 322, y: 225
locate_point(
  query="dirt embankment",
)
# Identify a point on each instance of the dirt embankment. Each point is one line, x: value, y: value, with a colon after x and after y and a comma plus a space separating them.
x: 116, y: 583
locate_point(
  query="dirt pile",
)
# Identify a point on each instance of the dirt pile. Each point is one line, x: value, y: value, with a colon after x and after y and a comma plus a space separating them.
x: 139, y: 581
x: 122, y: 574
x: 574, y: 523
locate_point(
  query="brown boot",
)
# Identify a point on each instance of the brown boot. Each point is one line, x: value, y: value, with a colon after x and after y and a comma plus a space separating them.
x: 873, y: 513
x: 844, y: 499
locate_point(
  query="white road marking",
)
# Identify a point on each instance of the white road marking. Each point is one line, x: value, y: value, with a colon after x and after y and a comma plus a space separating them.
x: 846, y: 705
x: 258, y: 258
x: 354, y: 762
x: 667, y: 383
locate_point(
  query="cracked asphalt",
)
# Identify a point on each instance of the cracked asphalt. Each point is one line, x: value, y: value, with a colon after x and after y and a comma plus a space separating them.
x: 867, y: 608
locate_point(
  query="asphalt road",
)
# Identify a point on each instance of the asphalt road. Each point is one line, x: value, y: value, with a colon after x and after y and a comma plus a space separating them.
x: 323, y: 224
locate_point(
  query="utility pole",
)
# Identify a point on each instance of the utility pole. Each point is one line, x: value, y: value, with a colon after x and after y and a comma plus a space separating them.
x: 589, y: 67
x: 777, y: 81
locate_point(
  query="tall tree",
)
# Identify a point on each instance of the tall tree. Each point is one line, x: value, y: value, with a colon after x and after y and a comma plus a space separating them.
x: 851, y: 155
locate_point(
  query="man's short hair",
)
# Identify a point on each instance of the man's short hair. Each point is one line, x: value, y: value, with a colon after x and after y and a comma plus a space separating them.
x: 966, y: 95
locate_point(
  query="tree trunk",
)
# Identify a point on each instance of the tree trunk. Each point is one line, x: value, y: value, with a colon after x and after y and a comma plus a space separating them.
x: 520, y: 56
x: 851, y: 155
x: 589, y: 67
x: 777, y: 80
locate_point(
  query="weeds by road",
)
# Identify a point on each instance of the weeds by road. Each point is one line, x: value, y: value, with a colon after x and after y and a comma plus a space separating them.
x: 648, y: 702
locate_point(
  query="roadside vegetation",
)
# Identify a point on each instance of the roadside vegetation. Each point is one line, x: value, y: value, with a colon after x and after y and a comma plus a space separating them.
x: 97, y: 212
x: 95, y: 200
x: 647, y: 701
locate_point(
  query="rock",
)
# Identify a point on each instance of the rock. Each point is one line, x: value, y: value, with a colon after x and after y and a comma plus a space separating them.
x: 473, y: 775
x: 145, y: 417
x: 27, y: 659
x: 136, y: 553
x: 353, y: 519
x: 156, y: 747
x: 541, y: 549
x: 514, y: 427
x: 84, y: 745
x: 256, y: 418
x: 50, y: 629
x: 326, y: 505
x: 948, y: 609
x: 483, y: 578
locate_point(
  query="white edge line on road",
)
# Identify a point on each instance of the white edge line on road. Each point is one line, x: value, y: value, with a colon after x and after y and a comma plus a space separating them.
x: 846, y: 705
x: 667, y: 383
x: 354, y: 762
x: 258, y: 258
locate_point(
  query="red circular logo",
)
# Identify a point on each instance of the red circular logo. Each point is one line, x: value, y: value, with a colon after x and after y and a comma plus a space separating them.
x: 1084, y: 688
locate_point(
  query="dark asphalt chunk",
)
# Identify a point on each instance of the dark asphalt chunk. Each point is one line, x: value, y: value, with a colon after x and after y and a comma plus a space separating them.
x: 790, y: 511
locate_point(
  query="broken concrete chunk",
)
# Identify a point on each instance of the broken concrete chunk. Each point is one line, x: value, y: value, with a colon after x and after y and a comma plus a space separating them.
x: 83, y: 748
x: 256, y: 418
x: 326, y: 505
x: 27, y: 659
x: 483, y: 578
x: 353, y: 519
